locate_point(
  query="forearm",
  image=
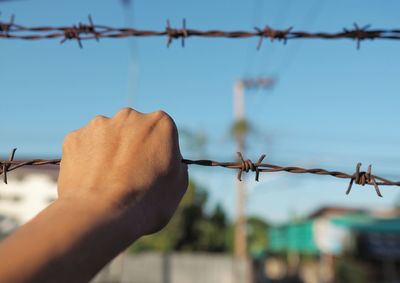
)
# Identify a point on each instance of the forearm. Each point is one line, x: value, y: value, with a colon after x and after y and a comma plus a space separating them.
x: 70, y: 241
x: 120, y: 178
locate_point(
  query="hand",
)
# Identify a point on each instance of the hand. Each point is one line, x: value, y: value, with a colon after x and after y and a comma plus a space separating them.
x: 129, y: 163
x: 120, y: 178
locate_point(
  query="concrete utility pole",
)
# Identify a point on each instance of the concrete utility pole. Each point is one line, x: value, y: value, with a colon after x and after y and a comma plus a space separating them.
x: 240, y: 241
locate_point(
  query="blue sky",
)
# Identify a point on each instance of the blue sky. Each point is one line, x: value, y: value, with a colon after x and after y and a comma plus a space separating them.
x: 332, y: 105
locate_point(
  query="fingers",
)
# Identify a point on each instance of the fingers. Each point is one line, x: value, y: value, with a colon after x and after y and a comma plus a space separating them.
x: 99, y: 120
x: 125, y: 113
x: 129, y: 113
x: 167, y: 127
x: 165, y: 122
x: 158, y: 121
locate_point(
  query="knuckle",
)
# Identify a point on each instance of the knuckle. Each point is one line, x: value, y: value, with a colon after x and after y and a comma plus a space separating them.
x: 69, y: 139
x: 161, y: 117
x: 159, y: 114
x: 98, y: 119
x: 124, y: 113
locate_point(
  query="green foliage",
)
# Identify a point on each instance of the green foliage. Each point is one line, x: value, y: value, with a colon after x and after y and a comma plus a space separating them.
x: 194, y: 141
x: 256, y: 235
x: 191, y: 228
x: 214, y: 232
x: 352, y: 271
x: 241, y: 128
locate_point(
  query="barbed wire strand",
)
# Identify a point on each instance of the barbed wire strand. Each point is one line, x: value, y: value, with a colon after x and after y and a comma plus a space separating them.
x: 91, y: 31
x: 243, y: 166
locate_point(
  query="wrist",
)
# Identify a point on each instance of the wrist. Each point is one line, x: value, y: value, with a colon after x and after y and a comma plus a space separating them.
x: 98, y: 213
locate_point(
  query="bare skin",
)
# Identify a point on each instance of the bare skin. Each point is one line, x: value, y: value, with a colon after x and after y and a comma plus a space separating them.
x: 120, y: 179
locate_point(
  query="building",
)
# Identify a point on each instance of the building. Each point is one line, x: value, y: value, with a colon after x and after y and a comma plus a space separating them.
x: 29, y: 190
x: 337, y: 241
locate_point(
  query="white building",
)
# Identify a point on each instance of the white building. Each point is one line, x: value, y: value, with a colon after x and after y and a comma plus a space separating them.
x: 29, y: 190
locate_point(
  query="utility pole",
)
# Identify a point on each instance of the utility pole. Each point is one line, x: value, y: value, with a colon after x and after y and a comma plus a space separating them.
x: 240, y: 131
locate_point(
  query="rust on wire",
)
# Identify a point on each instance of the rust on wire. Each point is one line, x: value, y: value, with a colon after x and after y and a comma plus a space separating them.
x: 6, y: 27
x: 362, y: 178
x: 75, y: 32
x: 359, y: 177
x: 6, y: 166
x: 91, y: 31
x: 272, y: 34
x: 176, y: 33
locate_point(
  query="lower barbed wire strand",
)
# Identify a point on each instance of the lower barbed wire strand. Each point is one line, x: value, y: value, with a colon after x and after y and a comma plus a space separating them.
x: 359, y: 177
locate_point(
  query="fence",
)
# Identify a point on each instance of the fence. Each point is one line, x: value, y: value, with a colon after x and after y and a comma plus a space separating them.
x: 359, y: 177
x: 91, y: 31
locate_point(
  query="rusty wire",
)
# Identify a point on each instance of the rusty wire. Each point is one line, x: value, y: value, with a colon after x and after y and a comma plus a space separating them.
x: 91, y: 31
x: 358, y: 177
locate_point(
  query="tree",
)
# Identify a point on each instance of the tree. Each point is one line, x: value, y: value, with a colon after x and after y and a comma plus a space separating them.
x: 214, y: 231
x: 256, y: 235
x: 256, y: 231
x: 191, y: 228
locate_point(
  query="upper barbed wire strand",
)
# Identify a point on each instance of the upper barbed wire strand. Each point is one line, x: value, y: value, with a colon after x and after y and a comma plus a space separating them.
x: 91, y: 31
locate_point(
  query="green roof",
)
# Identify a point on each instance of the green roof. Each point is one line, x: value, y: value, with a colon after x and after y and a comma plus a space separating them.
x: 369, y: 224
x: 299, y: 236
x: 296, y: 237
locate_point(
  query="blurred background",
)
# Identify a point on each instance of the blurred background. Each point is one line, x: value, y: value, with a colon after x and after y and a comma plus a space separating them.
x: 309, y: 103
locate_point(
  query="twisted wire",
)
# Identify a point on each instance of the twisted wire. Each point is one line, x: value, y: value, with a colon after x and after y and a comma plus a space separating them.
x: 91, y: 31
x: 359, y: 177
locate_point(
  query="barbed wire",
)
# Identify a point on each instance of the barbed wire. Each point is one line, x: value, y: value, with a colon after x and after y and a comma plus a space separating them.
x: 243, y: 166
x: 91, y: 31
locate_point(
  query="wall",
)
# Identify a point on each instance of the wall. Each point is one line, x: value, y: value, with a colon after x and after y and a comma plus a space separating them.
x: 174, y: 268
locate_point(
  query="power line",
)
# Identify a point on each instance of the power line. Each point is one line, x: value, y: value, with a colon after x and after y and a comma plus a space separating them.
x: 309, y: 21
x: 133, y: 71
x: 282, y: 12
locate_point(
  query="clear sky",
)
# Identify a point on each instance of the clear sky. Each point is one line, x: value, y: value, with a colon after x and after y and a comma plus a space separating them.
x: 332, y: 105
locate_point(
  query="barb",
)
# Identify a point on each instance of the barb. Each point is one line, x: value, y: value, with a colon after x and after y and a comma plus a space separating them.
x: 75, y: 32
x: 6, y: 27
x: 6, y: 166
x: 90, y: 31
x: 359, y: 177
x: 363, y: 178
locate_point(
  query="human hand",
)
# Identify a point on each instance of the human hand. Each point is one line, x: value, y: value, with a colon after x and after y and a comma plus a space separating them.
x: 130, y: 163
